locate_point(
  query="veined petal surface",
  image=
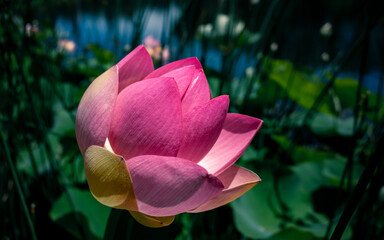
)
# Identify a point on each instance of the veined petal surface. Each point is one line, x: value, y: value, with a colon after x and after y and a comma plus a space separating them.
x: 237, y: 181
x: 197, y: 93
x: 202, y: 126
x: 183, y: 77
x: 134, y: 67
x: 94, y: 114
x: 147, y: 119
x: 237, y: 133
x: 166, y: 186
x: 108, y: 178
x: 175, y: 65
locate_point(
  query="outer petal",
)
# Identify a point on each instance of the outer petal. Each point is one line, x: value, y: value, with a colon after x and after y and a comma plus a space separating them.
x: 108, y: 178
x: 134, y: 67
x: 198, y: 92
x: 175, y: 65
x: 166, y: 186
x: 94, y: 115
x: 147, y: 119
x: 237, y: 181
x: 151, y: 221
x: 183, y: 77
x: 237, y: 133
x: 202, y: 127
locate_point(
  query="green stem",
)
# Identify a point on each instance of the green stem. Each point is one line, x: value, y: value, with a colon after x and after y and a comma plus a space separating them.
x: 19, y: 190
x: 359, y: 190
x: 119, y: 225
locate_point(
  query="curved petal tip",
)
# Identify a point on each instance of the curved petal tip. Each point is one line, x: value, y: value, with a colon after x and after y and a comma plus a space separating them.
x: 151, y: 221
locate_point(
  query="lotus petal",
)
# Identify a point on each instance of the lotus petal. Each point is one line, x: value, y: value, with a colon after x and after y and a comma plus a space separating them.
x: 166, y: 186
x: 175, y: 65
x: 202, y: 127
x: 151, y: 221
x: 147, y: 119
x: 198, y: 92
x: 134, y: 67
x: 237, y: 181
x: 237, y: 133
x: 108, y: 178
x: 183, y: 77
x: 94, y: 114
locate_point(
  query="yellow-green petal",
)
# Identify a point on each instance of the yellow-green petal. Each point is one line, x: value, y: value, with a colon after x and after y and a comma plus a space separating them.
x: 108, y: 178
x: 151, y: 221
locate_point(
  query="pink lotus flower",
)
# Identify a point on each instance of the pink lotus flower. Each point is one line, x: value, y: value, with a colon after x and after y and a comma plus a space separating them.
x: 156, y: 144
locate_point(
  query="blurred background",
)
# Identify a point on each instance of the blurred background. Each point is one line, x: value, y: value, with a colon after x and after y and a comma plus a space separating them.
x: 312, y: 70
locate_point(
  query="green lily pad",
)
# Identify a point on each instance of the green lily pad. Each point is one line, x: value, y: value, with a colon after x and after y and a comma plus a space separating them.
x: 294, y: 233
x: 302, y: 153
x: 85, y: 217
x: 302, y: 86
x: 254, y: 212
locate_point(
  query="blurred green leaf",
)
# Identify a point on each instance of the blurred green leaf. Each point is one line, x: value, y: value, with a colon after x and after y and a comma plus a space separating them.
x: 254, y: 212
x: 302, y: 87
x: 252, y: 154
x: 214, y: 84
x: 293, y: 233
x: 93, y: 215
x: 345, y: 89
x: 326, y: 124
x: 258, y: 213
x: 301, y: 153
x: 269, y: 93
x: 102, y: 55
x: 333, y: 170
x: 297, y: 197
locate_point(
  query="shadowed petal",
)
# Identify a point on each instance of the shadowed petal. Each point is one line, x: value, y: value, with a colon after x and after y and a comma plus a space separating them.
x: 175, y: 65
x: 237, y: 181
x: 202, y: 126
x: 151, y: 221
x: 108, y: 178
x: 183, y: 77
x: 134, y: 67
x: 197, y: 93
x: 94, y: 114
x: 166, y: 186
x: 147, y: 119
x: 237, y: 133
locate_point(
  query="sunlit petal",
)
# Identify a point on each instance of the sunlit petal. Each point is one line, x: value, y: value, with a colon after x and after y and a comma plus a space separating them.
x: 94, y: 114
x: 108, y: 178
x: 166, y: 186
x: 147, y: 119
x: 134, y: 67
x: 237, y: 133
x: 237, y: 181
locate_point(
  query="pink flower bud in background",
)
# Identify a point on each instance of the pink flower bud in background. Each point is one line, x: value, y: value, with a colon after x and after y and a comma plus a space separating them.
x: 166, y: 55
x: 67, y: 45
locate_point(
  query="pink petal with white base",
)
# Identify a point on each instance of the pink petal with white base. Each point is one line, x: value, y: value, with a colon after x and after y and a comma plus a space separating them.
x: 175, y: 65
x: 94, y: 114
x: 198, y: 92
x: 147, y: 119
x: 237, y: 133
x: 237, y: 181
x: 166, y: 186
x: 134, y: 67
x: 202, y: 127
